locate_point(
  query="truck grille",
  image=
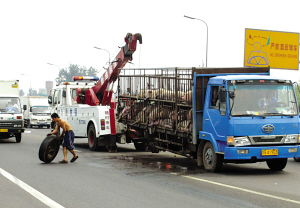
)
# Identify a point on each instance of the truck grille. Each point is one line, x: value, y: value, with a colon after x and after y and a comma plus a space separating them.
x: 270, y: 139
x: 9, y: 124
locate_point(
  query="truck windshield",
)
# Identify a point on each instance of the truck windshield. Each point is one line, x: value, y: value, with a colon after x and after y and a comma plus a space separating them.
x: 262, y: 99
x: 40, y: 110
x: 10, y: 105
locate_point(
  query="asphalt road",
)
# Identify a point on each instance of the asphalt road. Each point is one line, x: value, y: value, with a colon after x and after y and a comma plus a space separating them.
x: 130, y: 179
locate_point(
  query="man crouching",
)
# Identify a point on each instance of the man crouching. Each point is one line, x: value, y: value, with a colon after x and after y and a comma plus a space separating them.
x: 67, y: 135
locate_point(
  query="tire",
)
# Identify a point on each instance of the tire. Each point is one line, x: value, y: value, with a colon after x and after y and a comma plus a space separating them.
x: 140, y: 146
x: 212, y: 162
x: 297, y: 159
x: 18, y: 137
x: 277, y: 164
x: 111, y: 143
x: 92, y: 139
x: 49, y: 148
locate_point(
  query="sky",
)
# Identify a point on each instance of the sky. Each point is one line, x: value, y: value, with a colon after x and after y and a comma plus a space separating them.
x: 63, y: 32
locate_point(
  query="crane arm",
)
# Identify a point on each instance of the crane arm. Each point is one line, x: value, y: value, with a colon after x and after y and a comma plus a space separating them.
x: 114, y: 69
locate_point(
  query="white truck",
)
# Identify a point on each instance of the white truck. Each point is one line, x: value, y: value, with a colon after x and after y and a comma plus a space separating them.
x: 86, y: 103
x: 11, y: 115
x: 37, y: 113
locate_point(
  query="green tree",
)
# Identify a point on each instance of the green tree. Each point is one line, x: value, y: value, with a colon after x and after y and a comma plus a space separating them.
x: 66, y: 74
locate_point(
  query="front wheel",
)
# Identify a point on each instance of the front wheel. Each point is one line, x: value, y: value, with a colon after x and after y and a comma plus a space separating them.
x: 18, y: 137
x: 212, y: 162
x: 277, y: 164
x: 92, y: 139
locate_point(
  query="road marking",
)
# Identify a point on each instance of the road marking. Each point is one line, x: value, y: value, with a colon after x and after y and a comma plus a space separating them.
x: 27, y: 132
x: 242, y: 189
x: 46, y: 200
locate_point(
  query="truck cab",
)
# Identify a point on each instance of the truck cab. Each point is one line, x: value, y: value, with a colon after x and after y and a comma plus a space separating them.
x: 11, y: 112
x: 251, y: 118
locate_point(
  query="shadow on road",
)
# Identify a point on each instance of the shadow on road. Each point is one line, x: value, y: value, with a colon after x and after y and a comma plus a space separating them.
x: 176, y: 164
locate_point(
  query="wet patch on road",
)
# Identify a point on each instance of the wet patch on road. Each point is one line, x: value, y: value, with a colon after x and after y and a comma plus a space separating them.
x: 150, y: 163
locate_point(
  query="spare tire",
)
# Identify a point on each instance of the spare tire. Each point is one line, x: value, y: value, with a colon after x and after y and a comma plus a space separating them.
x: 49, y: 148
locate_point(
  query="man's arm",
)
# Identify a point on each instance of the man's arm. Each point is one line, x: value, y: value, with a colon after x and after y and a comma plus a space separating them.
x: 55, y: 130
x: 64, y: 129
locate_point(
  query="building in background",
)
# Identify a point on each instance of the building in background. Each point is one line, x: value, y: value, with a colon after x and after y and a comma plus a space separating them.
x: 49, y: 86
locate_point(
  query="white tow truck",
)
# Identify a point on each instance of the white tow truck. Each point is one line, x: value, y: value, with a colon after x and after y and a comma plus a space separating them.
x: 86, y: 103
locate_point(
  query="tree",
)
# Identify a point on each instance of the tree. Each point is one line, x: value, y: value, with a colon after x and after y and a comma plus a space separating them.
x: 66, y: 74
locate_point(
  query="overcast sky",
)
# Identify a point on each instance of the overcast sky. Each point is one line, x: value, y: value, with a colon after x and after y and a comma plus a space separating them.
x: 63, y: 32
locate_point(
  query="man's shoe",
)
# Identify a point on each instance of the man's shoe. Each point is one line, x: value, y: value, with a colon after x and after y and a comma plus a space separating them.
x: 74, y: 158
x: 63, y: 161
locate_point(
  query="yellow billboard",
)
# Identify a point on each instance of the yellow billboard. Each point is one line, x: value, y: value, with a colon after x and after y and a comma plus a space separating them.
x: 279, y: 50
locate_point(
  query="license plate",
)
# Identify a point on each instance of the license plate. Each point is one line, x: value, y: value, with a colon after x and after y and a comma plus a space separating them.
x: 267, y: 152
x: 3, y: 130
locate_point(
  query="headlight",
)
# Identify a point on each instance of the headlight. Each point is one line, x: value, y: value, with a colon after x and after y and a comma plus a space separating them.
x: 238, y: 141
x: 291, y: 139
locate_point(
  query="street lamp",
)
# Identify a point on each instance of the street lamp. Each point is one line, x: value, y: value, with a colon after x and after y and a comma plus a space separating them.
x: 107, y: 51
x: 58, y: 70
x: 193, y: 18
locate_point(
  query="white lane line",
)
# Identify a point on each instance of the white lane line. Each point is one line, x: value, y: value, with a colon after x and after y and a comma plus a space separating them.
x: 242, y: 189
x: 46, y: 200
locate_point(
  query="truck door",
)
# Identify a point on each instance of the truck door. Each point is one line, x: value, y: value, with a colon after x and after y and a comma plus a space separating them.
x: 297, y: 92
x: 215, y: 119
x: 57, y: 102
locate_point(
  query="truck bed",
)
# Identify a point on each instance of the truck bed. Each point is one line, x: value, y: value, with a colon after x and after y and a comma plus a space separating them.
x: 158, y: 102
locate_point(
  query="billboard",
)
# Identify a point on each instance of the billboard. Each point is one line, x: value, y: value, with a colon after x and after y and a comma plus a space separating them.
x: 279, y: 50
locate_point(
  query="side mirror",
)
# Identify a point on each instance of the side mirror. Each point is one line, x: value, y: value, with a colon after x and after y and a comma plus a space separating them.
x: 30, y: 109
x: 50, y: 99
x: 24, y: 107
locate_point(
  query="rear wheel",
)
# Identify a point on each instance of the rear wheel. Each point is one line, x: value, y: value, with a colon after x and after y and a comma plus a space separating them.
x: 277, y: 164
x: 211, y: 161
x: 18, y: 137
x: 92, y: 139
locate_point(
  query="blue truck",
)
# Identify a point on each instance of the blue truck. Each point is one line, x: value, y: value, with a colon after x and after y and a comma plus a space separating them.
x: 213, y: 115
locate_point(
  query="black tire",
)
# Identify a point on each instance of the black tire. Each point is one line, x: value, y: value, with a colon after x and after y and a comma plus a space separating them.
x: 26, y: 123
x: 49, y: 148
x: 297, y: 159
x: 92, y: 139
x: 277, y: 164
x: 111, y: 143
x: 212, y: 162
x: 18, y: 137
x: 140, y: 146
